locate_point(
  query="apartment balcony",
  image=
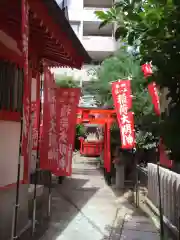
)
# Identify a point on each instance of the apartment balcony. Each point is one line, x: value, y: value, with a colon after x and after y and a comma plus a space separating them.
x: 91, y: 23
x: 98, y: 3
x: 99, y: 47
x: 89, y: 14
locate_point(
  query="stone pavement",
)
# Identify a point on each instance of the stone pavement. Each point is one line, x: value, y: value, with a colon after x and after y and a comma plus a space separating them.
x: 84, y: 207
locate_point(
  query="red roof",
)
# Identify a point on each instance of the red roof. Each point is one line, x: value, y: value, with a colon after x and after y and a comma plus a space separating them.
x: 51, y: 36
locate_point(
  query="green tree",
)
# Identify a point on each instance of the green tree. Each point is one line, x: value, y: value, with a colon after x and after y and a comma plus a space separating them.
x: 153, y: 27
x: 66, y: 81
x: 124, y: 65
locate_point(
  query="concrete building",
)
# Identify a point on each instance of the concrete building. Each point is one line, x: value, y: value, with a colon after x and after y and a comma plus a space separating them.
x: 99, y: 43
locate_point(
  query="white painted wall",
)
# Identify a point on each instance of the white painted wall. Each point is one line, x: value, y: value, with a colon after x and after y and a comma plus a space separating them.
x: 77, y: 4
x: 75, y: 14
x: 9, y: 152
x: 80, y: 75
x: 99, y: 44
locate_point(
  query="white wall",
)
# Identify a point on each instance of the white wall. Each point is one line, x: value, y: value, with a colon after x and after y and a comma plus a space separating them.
x: 99, y: 44
x: 84, y: 74
x: 9, y: 152
x: 77, y: 4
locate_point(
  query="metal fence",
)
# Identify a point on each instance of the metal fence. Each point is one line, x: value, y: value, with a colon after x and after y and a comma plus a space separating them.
x: 141, y: 182
x: 170, y: 193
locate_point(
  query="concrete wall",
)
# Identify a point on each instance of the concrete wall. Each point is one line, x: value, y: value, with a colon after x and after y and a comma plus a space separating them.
x: 75, y: 4
x: 99, y: 44
x: 9, y: 152
x: 7, y: 201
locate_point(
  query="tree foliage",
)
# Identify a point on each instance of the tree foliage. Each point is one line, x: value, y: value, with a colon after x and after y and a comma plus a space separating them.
x: 66, y: 81
x: 124, y: 65
x: 153, y: 27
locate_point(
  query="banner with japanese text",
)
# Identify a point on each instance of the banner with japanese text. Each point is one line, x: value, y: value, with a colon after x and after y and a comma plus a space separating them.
x: 49, y: 144
x: 35, y: 118
x: 35, y: 109
x: 152, y: 88
x: 27, y: 89
x: 34, y: 131
x: 66, y: 110
x: 122, y: 97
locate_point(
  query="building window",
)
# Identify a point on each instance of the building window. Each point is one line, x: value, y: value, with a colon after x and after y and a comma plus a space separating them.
x: 11, y: 87
x: 75, y: 27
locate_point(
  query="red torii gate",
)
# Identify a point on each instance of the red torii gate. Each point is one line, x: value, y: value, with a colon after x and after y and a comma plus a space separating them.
x: 103, y: 117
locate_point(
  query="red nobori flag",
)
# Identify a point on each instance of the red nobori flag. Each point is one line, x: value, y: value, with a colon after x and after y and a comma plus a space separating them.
x: 164, y: 160
x: 152, y: 88
x: 121, y: 92
x: 27, y: 88
x: 49, y: 146
x: 35, y: 109
x: 67, y: 102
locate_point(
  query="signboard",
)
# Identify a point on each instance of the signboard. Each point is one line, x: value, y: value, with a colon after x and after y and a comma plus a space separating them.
x: 121, y: 92
x: 66, y: 109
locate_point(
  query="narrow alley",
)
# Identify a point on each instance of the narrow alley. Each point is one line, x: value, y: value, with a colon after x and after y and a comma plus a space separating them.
x: 84, y: 207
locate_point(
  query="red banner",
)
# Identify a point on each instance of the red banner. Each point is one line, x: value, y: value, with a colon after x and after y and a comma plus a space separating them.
x: 152, y: 88
x: 66, y: 109
x: 35, y: 109
x: 164, y: 160
x: 49, y: 144
x: 121, y: 92
x: 147, y: 69
x: 27, y: 89
x: 155, y: 98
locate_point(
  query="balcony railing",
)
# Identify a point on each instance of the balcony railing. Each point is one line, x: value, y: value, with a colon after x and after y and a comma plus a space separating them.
x: 89, y: 13
x: 99, y: 3
x: 99, y: 44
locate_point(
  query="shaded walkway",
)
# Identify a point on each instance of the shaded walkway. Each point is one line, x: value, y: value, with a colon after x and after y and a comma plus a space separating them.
x: 84, y: 207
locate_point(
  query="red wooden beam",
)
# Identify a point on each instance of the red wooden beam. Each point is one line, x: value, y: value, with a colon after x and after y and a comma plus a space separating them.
x: 10, y: 116
x: 97, y: 110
